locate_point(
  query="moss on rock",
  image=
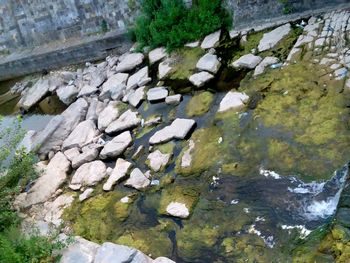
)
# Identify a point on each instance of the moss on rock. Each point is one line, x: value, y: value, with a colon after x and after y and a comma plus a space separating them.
x: 199, y: 104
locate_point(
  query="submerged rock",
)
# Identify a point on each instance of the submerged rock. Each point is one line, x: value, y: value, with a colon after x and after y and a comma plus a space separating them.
x: 116, y: 146
x: 137, y: 180
x: 126, y: 121
x: 88, y: 174
x: 199, y: 104
x: 272, y: 38
x: 201, y: 78
x: 233, y: 100
x: 120, y: 170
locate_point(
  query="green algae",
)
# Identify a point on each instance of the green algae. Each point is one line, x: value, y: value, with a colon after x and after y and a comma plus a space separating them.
x: 166, y: 148
x: 199, y: 104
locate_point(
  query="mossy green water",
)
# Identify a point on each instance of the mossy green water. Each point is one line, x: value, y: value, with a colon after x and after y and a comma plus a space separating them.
x: 199, y: 104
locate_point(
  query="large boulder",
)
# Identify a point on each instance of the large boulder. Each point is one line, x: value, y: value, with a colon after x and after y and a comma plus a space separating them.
x: 138, y: 180
x: 126, y: 121
x: 271, y: 39
x: 120, y: 170
x: 54, y: 176
x: 82, y: 135
x: 209, y: 63
x: 129, y: 62
x: 201, y: 78
x: 178, y: 129
x: 34, y: 94
x: 88, y: 174
x: 247, y: 61
x: 117, y: 146
x: 233, y: 100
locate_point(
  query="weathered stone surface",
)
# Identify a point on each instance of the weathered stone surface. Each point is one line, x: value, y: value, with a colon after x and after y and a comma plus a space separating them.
x: 302, y: 40
x: 136, y: 97
x: 178, y: 210
x: 163, y: 260
x: 110, y: 253
x: 82, y: 135
x: 94, y: 109
x: 139, y: 79
x: 54, y: 210
x: 34, y: 94
x: 54, y: 176
x: 192, y: 44
x: 137, y: 180
x: 27, y: 142
x: 71, y: 153
x: 157, y: 160
x: 129, y: 62
x: 119, y: 172
x: 127, y: 120
x: 211, y: 40
x: 108, y: 115
x: 86, y: 194
x: 233, y: 100
x: 89, y: 154
x: 117, y: 146
x: 54, y: 134
x: 67, y: 94
x: 271, y: 39
x: 115, y: 84
x: 201, y: 78
x: 88, y: 174
x: 87, y: 90
x: 157, y: 94
x: 178, y: 129
x: 247, y: 61
x: 174, y: 99
x: 209, y: 63
x: 81, y: 251
x: 263, y: 64
x: 156, y: 55
x: 186, y: 159
x: 164, y: 69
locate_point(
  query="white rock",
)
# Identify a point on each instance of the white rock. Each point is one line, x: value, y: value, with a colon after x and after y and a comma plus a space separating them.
x: 174, y: 99
x: 137, y: 180
x: 163, y: 260
x: 83, y: 134
x: 327, y: 61
x: 158, y: 160
x: 157, y: 94
x: 129, y: 62
x: 302, y: 40
x: 178, y: 210
x: 54, y: 210
x: 94, y: 109
x: 67, y: 94
x: 136, y: 97
x: 138, y: 79
x: 89, y: 154
x: 72, y: 153
x: 81, y: 251
x: 234, y: 34
x: 119, y: 172
x: 117, y: 146
x: 192, y: 44
x: 88, y: 174
x: 209, y: 63
x: 271, y: 39
x: 211, y: 40
x: 87, y: 90
x: 108, y: 115
x: 86, y: 194
x: 164, y: 69
x: 267, y: 61
x: 340, y: 73
x: 201, y: 78
x: 233, y: 100
x: 127, y: 120
x: 247, y: 61
x: 178, y: 129
x: 156, y: 55
x: 186, y: 159
x: 115, y: 84
x: 54, y: 176
x: 34, y: 94
x: 320, y: 42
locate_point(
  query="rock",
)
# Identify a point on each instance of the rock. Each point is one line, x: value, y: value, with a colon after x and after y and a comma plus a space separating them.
x: 209, y: 63
x: 136, y: 97
x: 81, y: 251
x: 112, y: 253
x: 157, y: 160
x: 164, y: 69
x: 117, y: 146
x: 89, y: 154
x: 72, y: 153
x: 67, y: 94
x: 178, y: 129
x: 86, y: 194
x: 234, y: 34
x: 267, y: 61
x: 129, y: 62
x: 271, y: 39
x: 233, y: 100
x: 211, y: 40
x: 320, y: 42
x: 327, y: 61
x: 82, y: 135
x: 186, y: 159
x: 98, y: 76
x: 178, y: 210
x: 155, y: 120
x: 139, y: 79
x: 87, y: 90
x: 119, y: 172
x: 302, y: 40
x: 88, y: 174
x: 192, y: 44
x: 201, y: 78
x: 174, y: 99
x: 156, y: 55
x: 34, y: 94
x: 108, y: 115
x: 94, y: 109
x: 247, y: 61
x: 61, y: 126
x: 54, y: 176
x: 27, y: 142
x: 138, y: 152
x: 340, y: 73
x: 116, y: 83
x: 127, y: 120
x: 137, y: 180
x: 157, y: 94
x: 54, y: 210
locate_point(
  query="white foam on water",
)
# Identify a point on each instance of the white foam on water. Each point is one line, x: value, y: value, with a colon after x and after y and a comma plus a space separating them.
x: 268, y: 173
x: 306, y: 188
x: 302, y: 230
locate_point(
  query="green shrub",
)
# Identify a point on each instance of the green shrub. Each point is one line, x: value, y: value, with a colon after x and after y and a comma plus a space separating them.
x: 169, y: 23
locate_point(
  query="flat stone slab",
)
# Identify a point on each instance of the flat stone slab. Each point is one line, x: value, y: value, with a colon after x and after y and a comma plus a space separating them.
x: 156, y: 55
x: 271, y: 39
x: 178, y: 129
x: 209, y: 63
x: 201, y: 78
x: 211, y: 40
x: 247, y: 61
x: 89, y: 174
x: 233, y: 100
x: 140, y: 78
x: 158, y: 160
x: 129, y: 62
x: 34, y: 94
x: 178, y: 210
x: 173, y: 99
x: 137, y: 180
x: 267, y: 61
x: 126, y: 121
x: 120, y: 171
x: 82, y: 135
x: 164, y: 68
x: 117, y: 146
x: 157, y: 94
x: 136, y: 97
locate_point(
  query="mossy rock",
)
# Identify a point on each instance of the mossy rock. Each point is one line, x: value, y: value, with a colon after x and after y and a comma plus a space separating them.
x: 166, y: 148
x: 199, y: 104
